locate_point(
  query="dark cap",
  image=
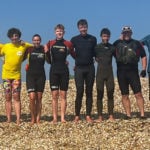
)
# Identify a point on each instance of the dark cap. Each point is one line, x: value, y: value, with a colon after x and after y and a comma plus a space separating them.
x: 126, y: 29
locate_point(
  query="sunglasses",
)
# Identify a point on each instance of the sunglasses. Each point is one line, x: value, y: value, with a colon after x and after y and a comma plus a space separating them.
x: 126, y: 28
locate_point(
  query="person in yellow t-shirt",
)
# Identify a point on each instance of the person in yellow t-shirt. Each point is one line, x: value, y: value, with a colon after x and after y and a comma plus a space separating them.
x: 11, y: 71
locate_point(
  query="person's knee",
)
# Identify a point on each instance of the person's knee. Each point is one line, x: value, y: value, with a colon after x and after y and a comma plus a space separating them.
x: 8, y: 97
x: 139, y: 95
x: 100, y: 94
x: 80, y: 90
x: 16, y: 96
x: 125, y: 97
x: 110, y: 94
x: 55, y: 93
x: 63, y: 95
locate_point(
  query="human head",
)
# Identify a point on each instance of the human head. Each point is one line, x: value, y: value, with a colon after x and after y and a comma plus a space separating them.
x: 14, y: 34
x: 126, y: 33
x: 105, y: 35
x: 36, y: 40
x: 82, y: 26
x: 59, y: 31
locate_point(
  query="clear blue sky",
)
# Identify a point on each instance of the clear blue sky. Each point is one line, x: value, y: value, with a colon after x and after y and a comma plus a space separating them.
x: 40, y: 17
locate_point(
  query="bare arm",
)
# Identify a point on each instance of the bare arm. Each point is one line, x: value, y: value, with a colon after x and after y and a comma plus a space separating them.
x: 144, y: 63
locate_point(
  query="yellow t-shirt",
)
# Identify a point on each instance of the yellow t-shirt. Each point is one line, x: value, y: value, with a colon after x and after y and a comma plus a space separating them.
x: 13, y: 57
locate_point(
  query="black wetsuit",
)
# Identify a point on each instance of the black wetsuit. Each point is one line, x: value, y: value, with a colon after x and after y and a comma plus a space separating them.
x: 35, y: 75
x: 59, y: 72
x: 104, y: 54
x: 127, y: 73
x: 84, y: 70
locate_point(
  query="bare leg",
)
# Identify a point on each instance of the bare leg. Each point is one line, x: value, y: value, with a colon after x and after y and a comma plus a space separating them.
x: 100, y: 119
x: 140, y: 103
x: 126, y: 104
x: 89, y: 119
x: 8, y: 106
x: 55, y: 105
x: 63, y: 105
x: 76, y: 119
x: 111, y: 118
x: 32, y: 97
x: 17, y: 105
x: 38, y: 106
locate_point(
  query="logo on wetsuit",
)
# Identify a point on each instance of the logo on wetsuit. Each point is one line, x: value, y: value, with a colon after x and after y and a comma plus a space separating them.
x: 61, y: 48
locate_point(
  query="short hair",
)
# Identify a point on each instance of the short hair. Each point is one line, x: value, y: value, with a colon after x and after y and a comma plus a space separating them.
x: 13, y: 31
x: 37, y: 35
x: 105, y: 31
x: 59, y: 26
x: 82, y: 22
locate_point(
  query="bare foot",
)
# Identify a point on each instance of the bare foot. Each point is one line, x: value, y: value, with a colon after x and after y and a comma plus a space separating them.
x: 63, y: 121
x: 111, y: 118
x: 54, y: 121
x: 77, y: 119
x: 89, y: 119
x: 38, y: 121
x: 99, y: 120
x: 18, y: 122
x: 8, y: 121
x: 31, y: 123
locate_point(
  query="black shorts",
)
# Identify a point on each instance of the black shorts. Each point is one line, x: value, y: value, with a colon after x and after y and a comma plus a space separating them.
x: 35, y: 83
x: 126, y: 78
x: 59, y: 80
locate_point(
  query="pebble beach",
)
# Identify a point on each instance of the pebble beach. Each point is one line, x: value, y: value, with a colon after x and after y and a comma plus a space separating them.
x: 120, y: 134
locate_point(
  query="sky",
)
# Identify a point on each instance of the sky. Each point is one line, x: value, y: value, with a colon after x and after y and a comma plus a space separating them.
x: 41, y: 17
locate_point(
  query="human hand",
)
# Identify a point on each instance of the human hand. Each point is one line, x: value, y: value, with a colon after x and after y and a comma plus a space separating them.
x: 22, y: 42
x: 143, y: 73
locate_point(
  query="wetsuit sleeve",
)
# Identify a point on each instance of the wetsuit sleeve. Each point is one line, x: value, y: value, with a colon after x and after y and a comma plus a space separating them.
x: 116, y: 42
x: 73, y: 48
x: 47, y: 54
x: 115, y: 47
x: 95, y: 43
x: 72, y: 51
x: 96, y: 54
x: 25, y: 55
x: 114, y: 51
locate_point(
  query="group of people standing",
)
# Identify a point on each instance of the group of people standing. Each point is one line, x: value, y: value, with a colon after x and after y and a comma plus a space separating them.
x: 85, y: 51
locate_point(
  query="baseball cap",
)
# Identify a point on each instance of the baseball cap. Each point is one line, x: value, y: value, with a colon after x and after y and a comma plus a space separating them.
x: 126, y: 29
